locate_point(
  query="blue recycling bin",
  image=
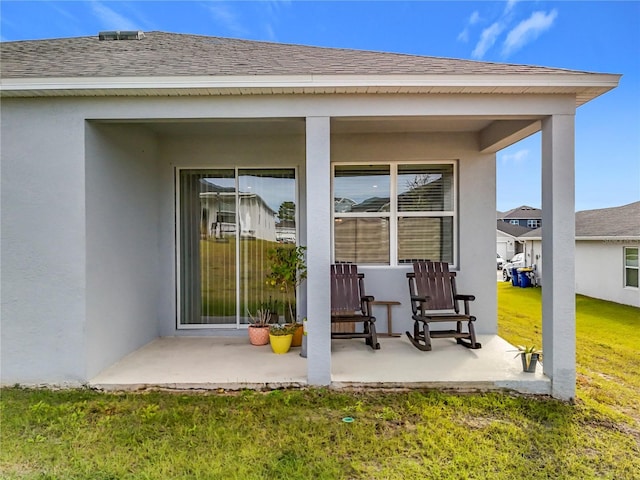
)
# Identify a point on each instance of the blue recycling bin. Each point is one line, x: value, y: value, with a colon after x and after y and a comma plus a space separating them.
x: 515, y: 281
x: 523, y: 277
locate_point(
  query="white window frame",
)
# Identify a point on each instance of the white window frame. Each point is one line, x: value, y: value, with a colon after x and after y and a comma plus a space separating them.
x: 533, y: 223
x: 393, y: 213
x: 625, y: 267
x: 514, y: 222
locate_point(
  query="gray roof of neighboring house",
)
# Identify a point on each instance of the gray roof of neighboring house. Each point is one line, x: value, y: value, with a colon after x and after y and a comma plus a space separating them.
x: 623, y: 222
x: 172, y: 54
x: 524, y: 212
x: 513, y: 230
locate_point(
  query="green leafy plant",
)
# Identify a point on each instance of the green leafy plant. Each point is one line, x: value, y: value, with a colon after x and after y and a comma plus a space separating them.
x: 528, y: 351
x: 288, y: 271
x: 279, y: 329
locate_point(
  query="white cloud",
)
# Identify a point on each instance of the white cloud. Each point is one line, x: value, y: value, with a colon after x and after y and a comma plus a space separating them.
x: 510, y: 5
x: 111, y: 19
x: 487, y: 39
x: 227, y: 17
x: 516, y: 157
x: 463, y: 36
x: 528, y: 30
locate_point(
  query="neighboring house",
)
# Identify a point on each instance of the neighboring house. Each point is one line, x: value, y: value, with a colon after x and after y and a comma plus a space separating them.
x: 524, y: 216
x: 507, y: 243
x: 218, y: 214
x: 606, y: 253
x: 104, y: 142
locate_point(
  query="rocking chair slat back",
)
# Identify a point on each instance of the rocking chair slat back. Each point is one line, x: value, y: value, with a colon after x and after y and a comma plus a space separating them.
x: 345, y: 288
x: 433, y: 280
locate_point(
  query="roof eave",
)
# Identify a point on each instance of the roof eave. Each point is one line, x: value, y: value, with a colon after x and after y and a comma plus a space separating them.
x: 584, y: 86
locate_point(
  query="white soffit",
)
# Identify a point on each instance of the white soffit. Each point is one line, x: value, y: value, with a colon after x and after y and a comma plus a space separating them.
x: 584, y: 86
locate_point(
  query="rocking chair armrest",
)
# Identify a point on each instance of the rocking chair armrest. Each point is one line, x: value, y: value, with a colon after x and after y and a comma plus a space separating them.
x: 417, y: 298
x: 467, y: 298
x: 367, y: 298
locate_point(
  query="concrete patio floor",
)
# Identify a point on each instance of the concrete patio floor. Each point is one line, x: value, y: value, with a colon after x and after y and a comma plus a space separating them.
x: 231, y: 363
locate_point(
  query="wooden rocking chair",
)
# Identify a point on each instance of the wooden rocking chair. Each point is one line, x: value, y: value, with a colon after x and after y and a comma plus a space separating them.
x: 350, y: 304
x: 432, y: 288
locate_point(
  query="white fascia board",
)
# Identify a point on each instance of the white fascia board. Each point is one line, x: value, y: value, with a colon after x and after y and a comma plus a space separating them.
x: 491, y: 82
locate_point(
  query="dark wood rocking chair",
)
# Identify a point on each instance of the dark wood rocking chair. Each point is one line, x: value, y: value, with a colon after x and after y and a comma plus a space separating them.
x: 350, y: 304
x: 432, y: 288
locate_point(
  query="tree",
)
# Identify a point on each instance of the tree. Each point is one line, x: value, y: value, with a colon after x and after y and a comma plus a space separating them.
x: 287, y: 211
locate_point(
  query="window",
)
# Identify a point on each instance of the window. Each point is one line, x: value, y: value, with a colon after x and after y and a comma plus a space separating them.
x: 631, y: 267
x: 389, y: 214
x: 533, y: 223
x: 514, y: 222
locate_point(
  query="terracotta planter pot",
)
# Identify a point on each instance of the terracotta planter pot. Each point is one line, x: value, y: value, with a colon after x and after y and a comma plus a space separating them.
x: 297, y: 336
x: 258, y: 335
x: 280, y: 343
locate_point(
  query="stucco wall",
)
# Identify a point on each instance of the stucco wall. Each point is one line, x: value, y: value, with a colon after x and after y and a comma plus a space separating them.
x: 476, y: 218
x: 43, y: 242
x: 600, y: 271
x: 122, y: 220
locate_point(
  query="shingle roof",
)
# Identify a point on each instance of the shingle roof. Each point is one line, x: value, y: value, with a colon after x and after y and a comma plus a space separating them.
x: 171, y: 54
x: 513, y: 230
x: 524, y: 212
x: 621, y: 222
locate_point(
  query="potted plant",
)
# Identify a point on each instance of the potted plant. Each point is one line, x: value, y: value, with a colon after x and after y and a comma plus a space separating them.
x: 259, y: 327
x: 280, y: 337
x: 271, y: 306
x: 530, y: 356
x: 288, y: 271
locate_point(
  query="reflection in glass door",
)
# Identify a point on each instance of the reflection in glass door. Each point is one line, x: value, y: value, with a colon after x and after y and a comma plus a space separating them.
x: 228, y: 222
x: 266, y: 218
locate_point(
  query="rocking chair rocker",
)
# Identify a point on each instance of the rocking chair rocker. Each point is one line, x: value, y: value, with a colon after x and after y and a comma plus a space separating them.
x: 350, y: 304
x: 432, y: 288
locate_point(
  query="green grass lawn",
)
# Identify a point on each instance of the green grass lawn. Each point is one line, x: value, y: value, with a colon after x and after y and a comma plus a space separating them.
x: 82, y: 434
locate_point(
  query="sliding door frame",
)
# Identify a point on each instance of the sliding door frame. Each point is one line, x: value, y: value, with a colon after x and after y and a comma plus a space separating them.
x: 178, y: 240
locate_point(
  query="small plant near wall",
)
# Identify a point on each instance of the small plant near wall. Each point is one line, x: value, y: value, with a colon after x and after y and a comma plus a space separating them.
x: 530, y: 355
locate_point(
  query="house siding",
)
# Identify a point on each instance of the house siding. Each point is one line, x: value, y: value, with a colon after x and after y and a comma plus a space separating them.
x: 122, y: 218
x: 600, y: 271
x: 43, y: 242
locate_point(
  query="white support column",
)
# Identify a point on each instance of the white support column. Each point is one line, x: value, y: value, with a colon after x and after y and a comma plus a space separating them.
x: 318, y: 182
x: 558, y: 246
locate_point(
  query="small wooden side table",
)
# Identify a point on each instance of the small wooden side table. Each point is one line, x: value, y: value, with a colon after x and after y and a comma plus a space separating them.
x: 389, y: 304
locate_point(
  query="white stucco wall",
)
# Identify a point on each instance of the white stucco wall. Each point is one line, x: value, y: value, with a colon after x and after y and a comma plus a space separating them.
x: 122, y: 220
x: 600, y: 271
x: 43, y: 242
x: 476, y: 218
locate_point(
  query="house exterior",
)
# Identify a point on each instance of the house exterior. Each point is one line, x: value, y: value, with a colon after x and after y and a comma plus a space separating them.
x: 107, y: 143
x: 524, y: 216
x: 606, y: 253
x: 507, y: 242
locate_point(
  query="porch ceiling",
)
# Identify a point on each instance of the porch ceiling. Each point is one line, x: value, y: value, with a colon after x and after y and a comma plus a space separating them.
x: 339, y: 125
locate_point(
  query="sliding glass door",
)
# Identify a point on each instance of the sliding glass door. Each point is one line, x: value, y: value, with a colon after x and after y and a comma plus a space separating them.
x: 229, y: 219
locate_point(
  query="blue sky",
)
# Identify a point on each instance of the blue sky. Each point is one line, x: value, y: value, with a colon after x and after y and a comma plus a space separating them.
x: 588, y: 35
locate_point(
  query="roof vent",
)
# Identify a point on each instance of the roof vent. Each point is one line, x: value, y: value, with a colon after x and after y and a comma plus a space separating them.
x: 121, y: 35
